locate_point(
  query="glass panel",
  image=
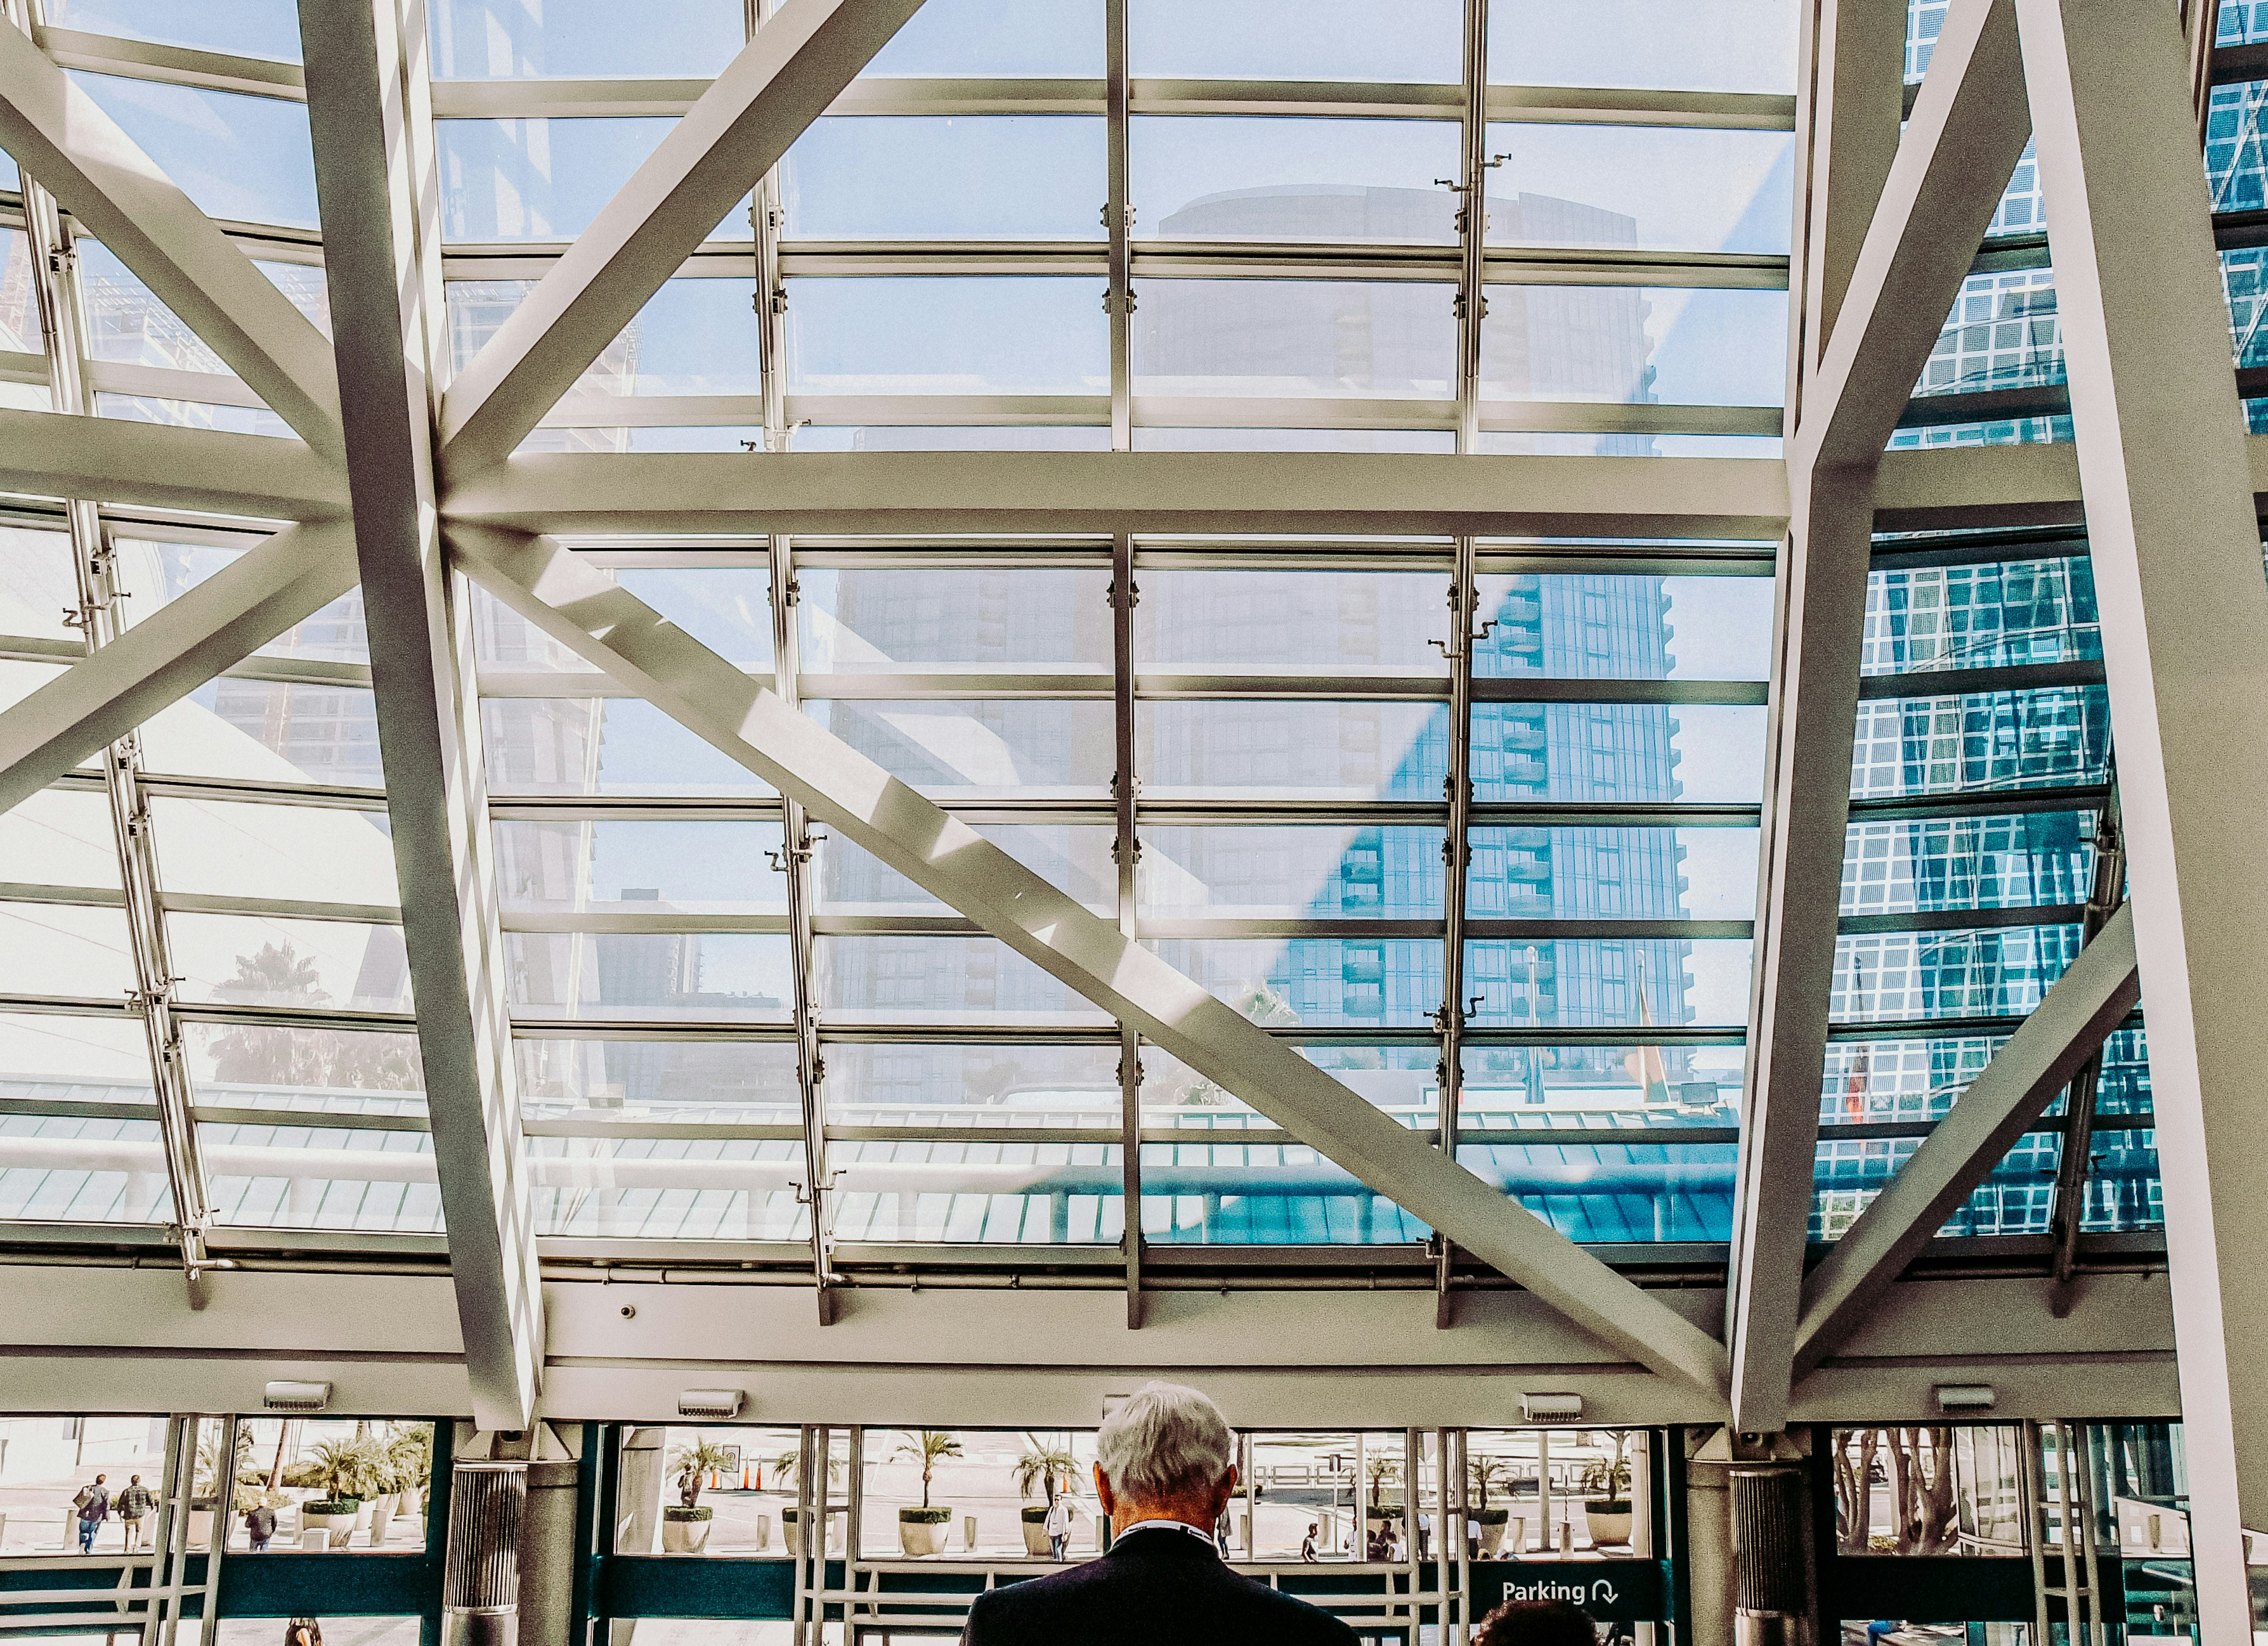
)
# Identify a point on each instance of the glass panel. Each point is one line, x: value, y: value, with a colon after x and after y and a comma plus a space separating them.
x: 286, y: 1447
x: 947, y: 334
x: 2241, y: 22
x: 38, y: 589
x: 20, y: 312
x: 1728, y: 46
x: 503, y: 638
x: 1302, y: 622
x: 56, y: 837
x: 601, y: 745
x: 2244, y: 279
x: 918, y: 1084
x: 1976, y: 617
x: 314, y: 854
x: 1403, y: 1081
x: 151, y: 574
x: 1315, y: 983
x: 1613, y: 752
x: 1616, y: 1194
x: 1075, y: 858
x: 859, y: 621
x: 269, y: 731
x: 51, y: 1058
x: 747, y: 1082
x: 1612, y: 874
x: 984, y: 747
x: 1888, y: 977
x: 51, y: 949
x: 1285, y: 872
x: 1323, y: 751
x: 1294, y: 39
x: 1642, y: 345
x: 243, y: 28
x: 304, y: 284
x: 646, y: 866
x: 1272, y: 1194
x: 2016, y: 1198
x: 126, y: 323
x: 726, y: 608
x: 2041, y: 857
x: 981, y: 177
x: 1294, y: 338
x: 948, y: 980
x: 693, y: 336
x: 750, y: 1474
x: 1589, y: 983
x: 1684, y: 188
x: 326, y: 1071
x: 539, y: 179
x: 1342, y: 182
x: 501, y: 39
x: 958, y: 38
x: 265, y: 961
x: 188, y: 413
x: 2235, y: 163
x: 997, y: 1484
x: 304, y: 1177
x: 1441, y: 442
x: 79, y: 1168
x: 653, y: 977
x: 948, y: 438
x: 967, y: 1193
x: 1598, y: 627
x: 1512, y: 1088
x: 1980, y: 742
x: 2003, y: 333
x: 243, y: 159
x: 668, y: 1188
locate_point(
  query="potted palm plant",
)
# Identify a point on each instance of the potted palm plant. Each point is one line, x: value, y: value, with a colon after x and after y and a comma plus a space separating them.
x: 685, y: 1523
x: 1383, y: 1472
x: 1037, y: 1472
x: 409, y: 1448
x: 1607, y: 1506
x: 923, y: 1531
x: 205, y: 1498
x: 342, y: 1472
x: 784, y: 1467
x: 1481, y: 1473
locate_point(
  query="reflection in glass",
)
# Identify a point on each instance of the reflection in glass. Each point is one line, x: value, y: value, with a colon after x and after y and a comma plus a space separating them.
x: 1995, y: 616
x: 1294, y: 338
x: 314, y: 854
x: 2003, y: 333
x: 246, y: 159
x: 1017, y: 1083
x: 264, y: 960
x: 125, y: 322
x: 1315, y: 983
x: 1283, y: 871
x: 928, y: 1191
x: 1594, y: 626
x: 151, y: 574
x: 1680, y: 187
x: 668, y: 1188
x: 693, y: 336
x: 1000, y: 744
x: 623, y: 1081
x: 965, y: 177
x: 939, y: 980
x: 1352, y: 751
x: 599, y: 745
x: 2039, y: 857
x: 1728, y: 46
x: 538, y: 178
x: 1639, y: 345
x: 1593, y: 982
x: 77, y: 1167
x: 1301, y: 622
x: 1401, y: 1081
x: 1340, y: 181
x: 650, y: 866
x: 1888, y: 977
x: 1616, y: 1194
x: 1527, y: 1088
x: 1612, y: 874
x: 947, y: 334
x: 861, y: 619
x: 1616, y: 752
x: 307, y: 1070
x: 648, y: 977
x: 1073, y: 858
x: 320, y: 1177
x: 2016, y: 1199
x: 271, y: 732
x: 500, y: 39
x: 1979, y: 742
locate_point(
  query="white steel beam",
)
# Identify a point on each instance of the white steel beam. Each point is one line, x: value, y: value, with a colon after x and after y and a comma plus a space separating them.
x: 374, y: 174
x: 586, y: 611
x: 1103, y: 492
x: 156, y: 465
x: 783, y: 79
x: 1852, y: 112
x: 61, y: 136
x: 169, y: 654
x: 1965, y: 135
x: 2004, y: 1102
x: 2176, y: 551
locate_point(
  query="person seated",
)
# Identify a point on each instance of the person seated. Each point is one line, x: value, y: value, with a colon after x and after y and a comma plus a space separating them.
x: 1164, y: 1472
x: 1537, y: 1623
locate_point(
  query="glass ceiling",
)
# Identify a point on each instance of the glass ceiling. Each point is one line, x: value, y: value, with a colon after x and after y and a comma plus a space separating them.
x: 930, y: 269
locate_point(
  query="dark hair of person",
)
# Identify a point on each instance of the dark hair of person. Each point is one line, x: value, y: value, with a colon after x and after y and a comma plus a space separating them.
x: 1538, y: 1623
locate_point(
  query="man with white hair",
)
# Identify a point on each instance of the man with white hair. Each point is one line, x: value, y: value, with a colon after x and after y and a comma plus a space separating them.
x: 1164, y: 1470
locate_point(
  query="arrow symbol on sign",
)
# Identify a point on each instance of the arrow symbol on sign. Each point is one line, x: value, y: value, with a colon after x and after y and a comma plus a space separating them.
x: 1604, y: 1590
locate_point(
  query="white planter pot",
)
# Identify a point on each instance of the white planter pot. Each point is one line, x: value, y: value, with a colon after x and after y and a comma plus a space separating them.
x: 1491, y: 1537
x: 1035, y: 1538
x: 338, y: 1528
x: 918, y: 1537
x: 1607, y: 1528
x: 200, y: 1528
x: 685, y: 1537
x: 791, y: 1532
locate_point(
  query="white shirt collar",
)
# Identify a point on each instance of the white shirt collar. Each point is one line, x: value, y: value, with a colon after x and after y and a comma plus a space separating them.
x: 1199, y: 1533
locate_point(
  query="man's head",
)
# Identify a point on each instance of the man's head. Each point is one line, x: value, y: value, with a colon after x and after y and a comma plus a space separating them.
x: 100, y: 1478
x: 136, y: 1480
x: 1166, y: 1454
x: 1538, y: 1623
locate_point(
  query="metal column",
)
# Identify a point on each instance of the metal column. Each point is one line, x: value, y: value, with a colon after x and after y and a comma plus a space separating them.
x: 1126, y: 852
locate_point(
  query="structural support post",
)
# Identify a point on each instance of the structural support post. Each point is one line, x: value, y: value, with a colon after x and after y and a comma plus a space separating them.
x: 369, y: 109
x: 2176, y: 544
x: 606, y: 624
x: 1126, y: 852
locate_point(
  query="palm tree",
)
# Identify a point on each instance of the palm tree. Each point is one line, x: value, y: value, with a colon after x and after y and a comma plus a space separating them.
x: 788, y: 1465
x: 701, y: 1460
x: 925, y: 1446
x: 1042, y: 1464
x: 208, y: 1459
x: 1383, y: 1471
x: 348, y: 1468
x: 1485, y: 1472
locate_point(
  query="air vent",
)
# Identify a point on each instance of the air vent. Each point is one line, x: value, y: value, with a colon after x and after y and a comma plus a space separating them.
x: 297, y: 1397
x: 709, y: 1403
x: 1552, y: 1409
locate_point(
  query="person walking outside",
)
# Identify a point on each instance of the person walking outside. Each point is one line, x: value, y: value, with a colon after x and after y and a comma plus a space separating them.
x: 1058, y: 1526
x: 134, y: 1506
x: 94, y: 1506
x: 259, y: 1524
x: 1307, y: 1545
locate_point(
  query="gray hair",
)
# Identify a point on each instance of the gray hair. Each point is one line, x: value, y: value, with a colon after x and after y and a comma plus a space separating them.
x: 1167, y: 1443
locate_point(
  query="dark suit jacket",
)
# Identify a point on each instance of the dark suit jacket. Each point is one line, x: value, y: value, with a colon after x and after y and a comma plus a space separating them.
x: 1154, y: 1588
